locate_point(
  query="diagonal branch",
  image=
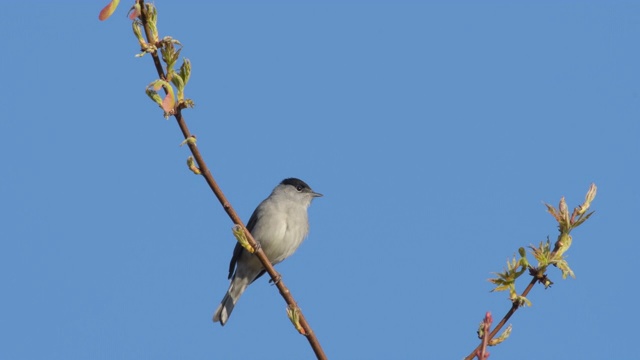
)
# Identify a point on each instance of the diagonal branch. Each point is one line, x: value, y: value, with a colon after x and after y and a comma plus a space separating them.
x: 275, y: 277
x: 514, y: 306
x: 545, y: 258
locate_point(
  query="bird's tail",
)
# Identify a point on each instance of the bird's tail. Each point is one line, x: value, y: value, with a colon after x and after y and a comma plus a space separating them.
x: 237, y: 287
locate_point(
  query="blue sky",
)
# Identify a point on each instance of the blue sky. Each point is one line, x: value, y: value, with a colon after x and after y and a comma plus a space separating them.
x: 435, y: 130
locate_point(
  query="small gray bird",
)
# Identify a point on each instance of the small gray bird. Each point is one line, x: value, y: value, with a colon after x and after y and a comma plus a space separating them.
x: 280, y: 224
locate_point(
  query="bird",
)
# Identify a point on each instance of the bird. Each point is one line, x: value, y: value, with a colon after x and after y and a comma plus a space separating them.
x: 279, y: 224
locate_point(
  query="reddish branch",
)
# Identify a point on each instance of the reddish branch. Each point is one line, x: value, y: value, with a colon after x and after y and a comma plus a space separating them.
x: 482, y: 353
x: 514, y: 306
x: 284, y: 291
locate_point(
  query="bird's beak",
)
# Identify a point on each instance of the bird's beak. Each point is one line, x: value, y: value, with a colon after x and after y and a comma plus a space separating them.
x: 315, y: 194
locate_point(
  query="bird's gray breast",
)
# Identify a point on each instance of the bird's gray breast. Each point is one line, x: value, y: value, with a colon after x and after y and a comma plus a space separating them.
x: 280, y: 228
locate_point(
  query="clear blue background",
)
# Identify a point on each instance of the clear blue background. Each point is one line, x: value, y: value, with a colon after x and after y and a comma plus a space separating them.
x: 436, y: 130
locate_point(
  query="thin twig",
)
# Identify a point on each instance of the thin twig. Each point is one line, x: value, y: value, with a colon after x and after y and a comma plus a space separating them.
x: 555, y: 258
x: 284, y: 291
x: 514, y: 307
x: 482, y: 353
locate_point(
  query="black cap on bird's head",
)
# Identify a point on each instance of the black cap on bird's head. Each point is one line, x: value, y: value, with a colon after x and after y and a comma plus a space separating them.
x: 300, y: 185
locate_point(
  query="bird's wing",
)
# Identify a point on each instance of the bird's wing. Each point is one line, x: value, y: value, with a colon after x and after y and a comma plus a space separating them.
x: 237, y: 251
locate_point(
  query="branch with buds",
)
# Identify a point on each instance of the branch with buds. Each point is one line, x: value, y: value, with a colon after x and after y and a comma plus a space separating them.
x: 545, y: 257
x: 172, y: 82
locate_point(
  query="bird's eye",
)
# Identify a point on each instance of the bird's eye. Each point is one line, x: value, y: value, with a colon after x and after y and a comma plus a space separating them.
x: 299, y: 187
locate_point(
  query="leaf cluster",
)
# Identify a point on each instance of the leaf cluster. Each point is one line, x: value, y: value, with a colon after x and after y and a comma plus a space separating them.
x: 170, y: 49
x: 543, y: 253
